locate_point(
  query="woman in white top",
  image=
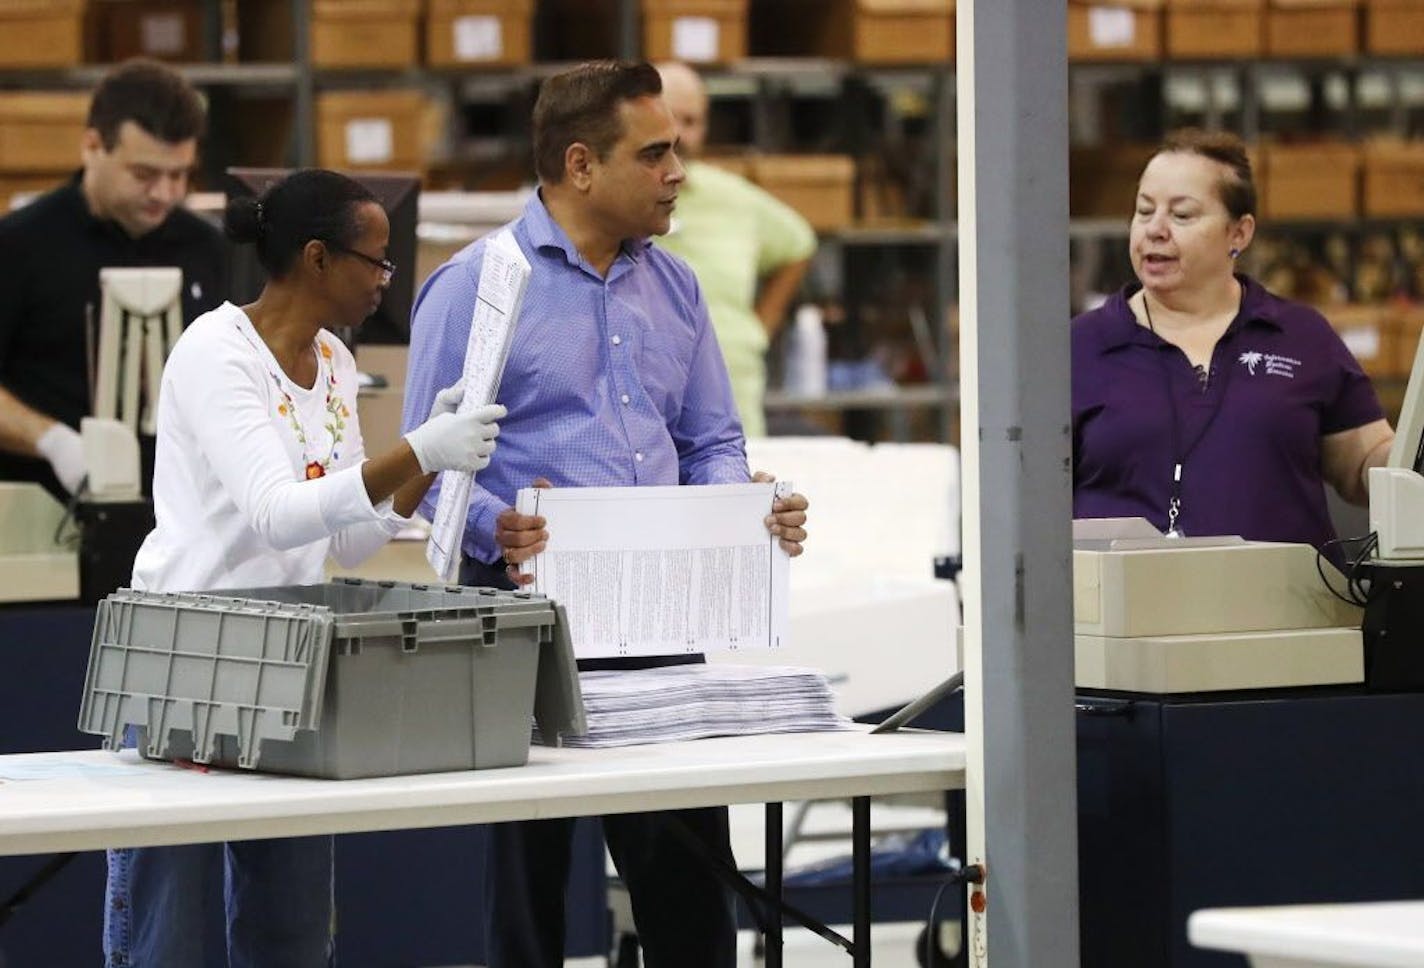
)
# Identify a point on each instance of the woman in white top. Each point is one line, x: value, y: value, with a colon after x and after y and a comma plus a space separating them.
x: 260, y: 474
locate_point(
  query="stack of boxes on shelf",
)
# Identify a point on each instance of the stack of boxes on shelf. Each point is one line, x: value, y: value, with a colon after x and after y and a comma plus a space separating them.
x: 62, y: 33
x: 701, y: 31
x: 1212, y: 30
x: 1319, y: 182
x: 39, y: 139
x: 1394, y: 27
x: 879, y: 32
x: 820, y: 187
x: 1127, y: 30
x: 395, y: 124
x: 40, y: 130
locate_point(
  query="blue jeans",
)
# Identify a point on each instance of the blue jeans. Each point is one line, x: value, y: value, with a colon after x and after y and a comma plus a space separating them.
x: 278, y: 898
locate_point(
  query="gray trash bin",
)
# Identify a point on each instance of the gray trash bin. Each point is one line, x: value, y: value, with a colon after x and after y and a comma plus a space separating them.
x: 347, y: 679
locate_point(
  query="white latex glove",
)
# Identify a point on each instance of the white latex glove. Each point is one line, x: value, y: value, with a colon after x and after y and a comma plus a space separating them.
x: 447, y: 400
x: 457, y: 441
x: 62, y: 446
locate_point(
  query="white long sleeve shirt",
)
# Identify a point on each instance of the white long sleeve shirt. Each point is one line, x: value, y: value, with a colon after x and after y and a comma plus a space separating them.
x: 237, y: 441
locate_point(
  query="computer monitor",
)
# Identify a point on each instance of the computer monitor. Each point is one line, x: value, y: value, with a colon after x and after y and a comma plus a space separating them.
x: 1397, y: 489
x: 1408, y: 449
x: 399, y: 195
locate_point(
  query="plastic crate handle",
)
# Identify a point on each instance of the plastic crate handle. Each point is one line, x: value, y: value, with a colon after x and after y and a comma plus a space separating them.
x: 480, y: 631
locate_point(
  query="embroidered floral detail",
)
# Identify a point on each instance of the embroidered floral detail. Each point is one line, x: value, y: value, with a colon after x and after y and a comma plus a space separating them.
x: 337, y: 412
x: 335, y: 409
x: 288, y: 409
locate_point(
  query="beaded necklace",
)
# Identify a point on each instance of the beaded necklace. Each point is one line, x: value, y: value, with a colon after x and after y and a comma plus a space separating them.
x: 336, y: 411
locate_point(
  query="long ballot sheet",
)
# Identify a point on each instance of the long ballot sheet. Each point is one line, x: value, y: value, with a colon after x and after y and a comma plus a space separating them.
x: 503, y: 278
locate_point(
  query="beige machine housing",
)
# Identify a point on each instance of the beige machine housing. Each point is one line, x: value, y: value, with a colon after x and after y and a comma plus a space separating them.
x: 34, y: 566
x: 1165, y: 615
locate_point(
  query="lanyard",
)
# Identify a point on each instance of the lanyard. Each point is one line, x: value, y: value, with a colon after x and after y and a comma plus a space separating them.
x: 1179, y: 454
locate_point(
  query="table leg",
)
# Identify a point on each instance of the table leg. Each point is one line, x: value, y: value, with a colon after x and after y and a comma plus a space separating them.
x: 773, y: 884
x: 860, y: 879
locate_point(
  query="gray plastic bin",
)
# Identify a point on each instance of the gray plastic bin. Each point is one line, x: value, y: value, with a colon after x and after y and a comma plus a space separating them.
x: 347, y: 679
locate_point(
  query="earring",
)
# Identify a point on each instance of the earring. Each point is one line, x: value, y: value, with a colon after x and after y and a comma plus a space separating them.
x: 1235, y: 253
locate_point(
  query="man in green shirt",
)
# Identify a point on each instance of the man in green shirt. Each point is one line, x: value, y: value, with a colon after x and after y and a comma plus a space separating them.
x: 749, y: 250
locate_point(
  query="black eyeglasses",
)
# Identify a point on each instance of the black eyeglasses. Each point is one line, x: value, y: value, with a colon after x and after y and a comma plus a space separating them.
x: 387, y: 267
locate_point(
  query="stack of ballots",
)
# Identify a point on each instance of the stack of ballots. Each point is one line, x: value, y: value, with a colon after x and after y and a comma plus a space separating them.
x: 663, y: 705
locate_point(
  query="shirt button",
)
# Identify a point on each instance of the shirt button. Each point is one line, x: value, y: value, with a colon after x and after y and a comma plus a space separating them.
x: 625, y: 398
x: 638, y: 456
x: 617, y: 340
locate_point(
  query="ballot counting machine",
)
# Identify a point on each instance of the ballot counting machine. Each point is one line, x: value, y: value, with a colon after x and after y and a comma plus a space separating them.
x: 1162, y: 615
x: 139, y: 322
x: 1238, y: 732
x: 1394, y: 611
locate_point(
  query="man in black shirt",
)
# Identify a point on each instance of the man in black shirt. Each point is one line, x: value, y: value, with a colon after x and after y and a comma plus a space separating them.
x: 124, y: 208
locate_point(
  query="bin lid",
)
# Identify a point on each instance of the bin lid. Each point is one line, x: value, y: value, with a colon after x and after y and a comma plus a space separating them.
x: 210, y: 665
x: 558, y: 699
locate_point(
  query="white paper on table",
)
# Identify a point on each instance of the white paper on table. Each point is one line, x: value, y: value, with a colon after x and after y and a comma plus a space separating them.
x: 504, y: 276
x: 42, y: 767
x: 663, y: 570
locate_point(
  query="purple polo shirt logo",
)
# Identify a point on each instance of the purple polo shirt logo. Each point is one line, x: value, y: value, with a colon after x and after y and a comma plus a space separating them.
x: 1273, y: 364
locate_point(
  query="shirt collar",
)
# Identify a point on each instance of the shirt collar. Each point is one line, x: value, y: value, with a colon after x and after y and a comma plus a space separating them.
x: 545, y: 233
x: 1258, y: 308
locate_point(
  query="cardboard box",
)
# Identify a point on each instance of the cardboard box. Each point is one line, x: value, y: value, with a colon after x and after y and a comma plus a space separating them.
x: 1371, y: 333
x: 479, y: 33
x: 1410, y: 325
x: 170, y: 30
x: 1313, y: 28
x: 1394, y: 179
x: 742, y: 165
x: 1102, y: 181
x: 1215, y: 29
x: 1309, y: 181
x: 1113, y: 32
x: 365, y: 33
x: 40, y: 131
x: 370, y: 130
x: 696, y: 31
x: 1394, y: 26
x: 902, y: 31
x: 820, y: 187
x: 869, y: 31
x: 12, y: 186
x: 41, y: 33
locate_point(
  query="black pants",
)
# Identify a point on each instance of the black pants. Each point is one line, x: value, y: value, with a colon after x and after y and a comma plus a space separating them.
x: 685, y: 916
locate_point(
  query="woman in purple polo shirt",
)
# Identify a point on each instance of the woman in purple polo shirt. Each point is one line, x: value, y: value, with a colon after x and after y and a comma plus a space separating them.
x: 1201, y: 401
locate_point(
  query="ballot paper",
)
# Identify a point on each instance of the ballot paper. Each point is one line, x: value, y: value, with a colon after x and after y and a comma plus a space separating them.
x: 663, y: 570
x: 673, y: 703
x: 503, y: 278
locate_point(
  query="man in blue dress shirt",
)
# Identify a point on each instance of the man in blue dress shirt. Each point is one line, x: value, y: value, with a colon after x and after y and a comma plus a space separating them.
x: 614, y: 378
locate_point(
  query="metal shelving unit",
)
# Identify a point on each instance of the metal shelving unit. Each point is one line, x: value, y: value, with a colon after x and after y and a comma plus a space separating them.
x: 771, y: 88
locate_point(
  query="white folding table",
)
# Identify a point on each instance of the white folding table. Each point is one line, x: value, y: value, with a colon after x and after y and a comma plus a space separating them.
x: 90, y: 800
x: 1374, y: 935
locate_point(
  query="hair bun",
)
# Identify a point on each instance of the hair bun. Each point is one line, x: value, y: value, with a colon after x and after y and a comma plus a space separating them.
x: 243, y: 219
